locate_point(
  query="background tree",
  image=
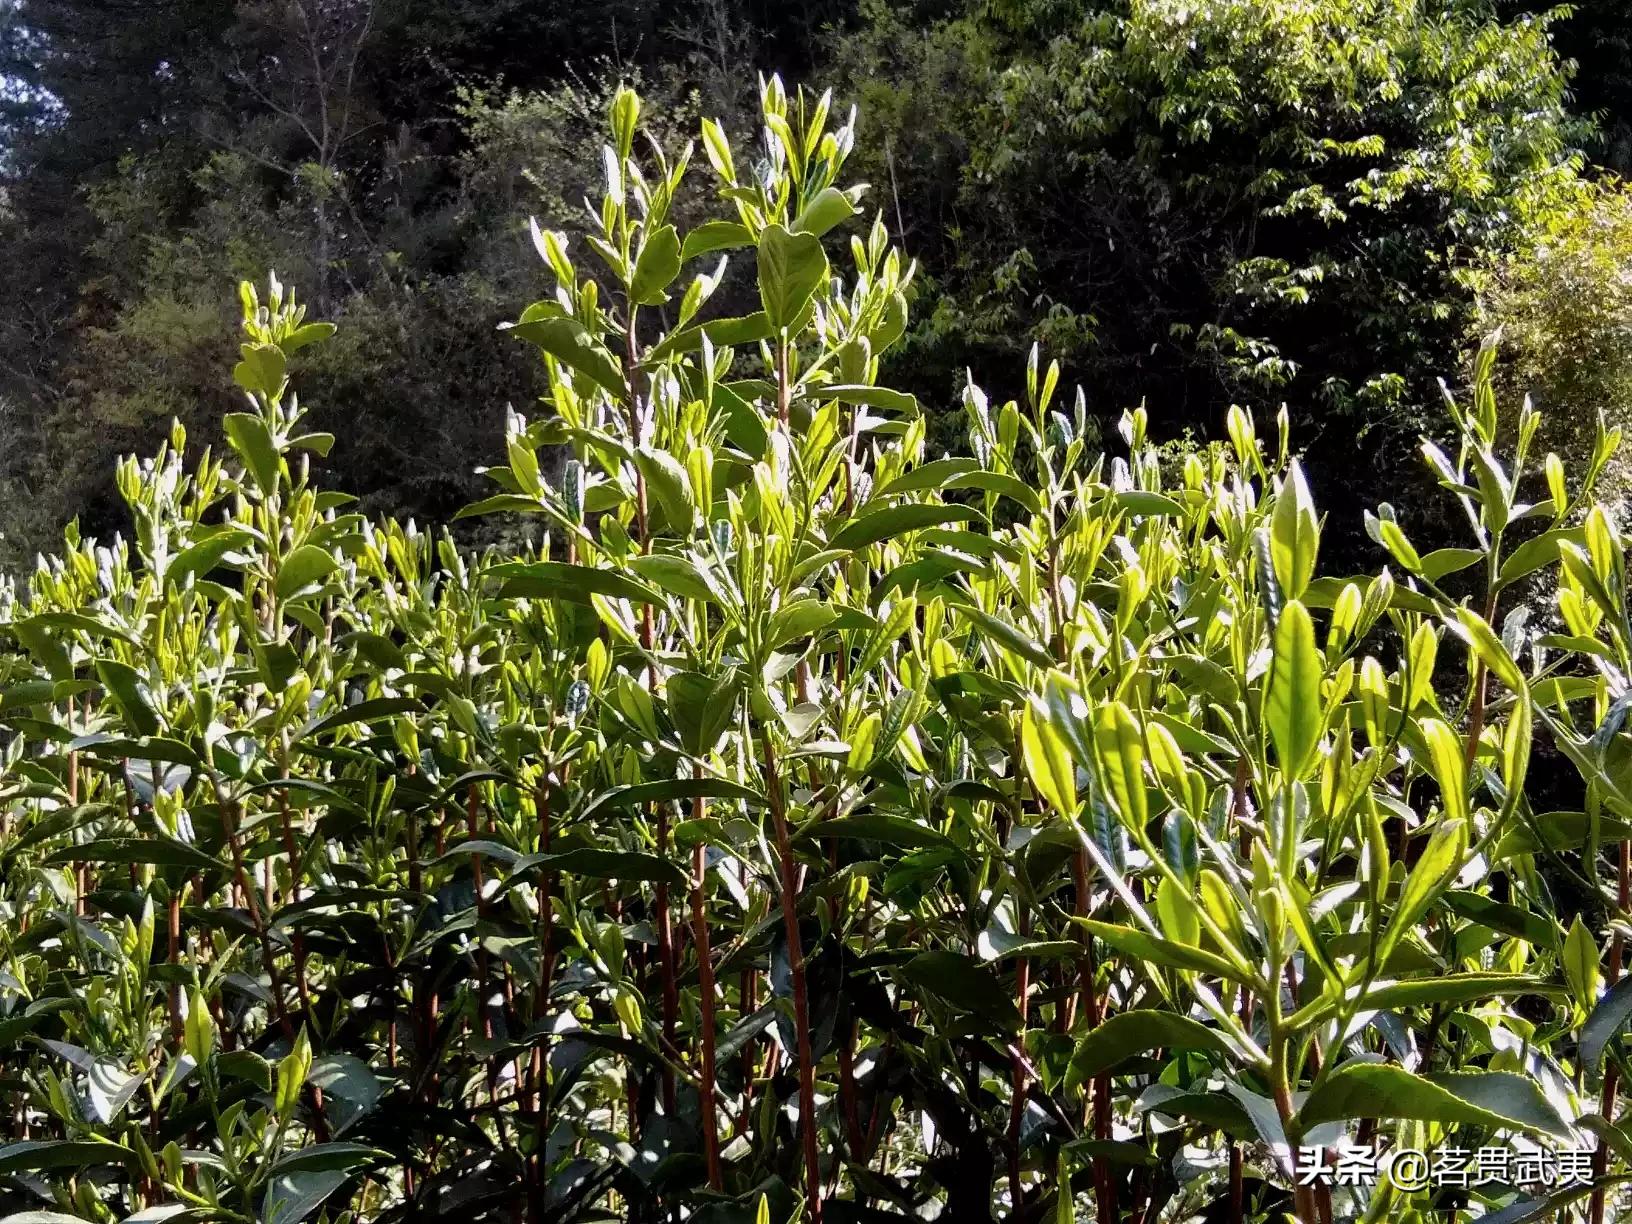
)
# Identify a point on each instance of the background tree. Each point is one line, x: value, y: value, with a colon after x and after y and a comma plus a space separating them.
x: 1193, y: 205
x: 1198, y: 205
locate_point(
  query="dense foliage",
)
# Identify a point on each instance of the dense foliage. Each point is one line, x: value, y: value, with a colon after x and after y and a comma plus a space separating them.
x: 1199, y: 205
x: 1192, y: 205
x: 799, y: 823
x: 1564, y: 310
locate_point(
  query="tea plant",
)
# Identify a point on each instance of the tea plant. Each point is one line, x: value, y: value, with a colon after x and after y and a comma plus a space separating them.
x: 802, y: 825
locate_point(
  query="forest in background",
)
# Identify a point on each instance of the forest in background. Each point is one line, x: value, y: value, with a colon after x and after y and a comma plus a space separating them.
x: 765, y: 804
x: 1318, y: 203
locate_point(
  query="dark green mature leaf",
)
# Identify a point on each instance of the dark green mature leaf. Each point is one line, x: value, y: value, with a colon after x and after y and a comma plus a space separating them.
x: 1004, y: 486
x: 893, y: 521
x: 1607, y: 1021
x: 369, y: 710
x: 1557, y: 831
x: 1443, y: 561
x: 557, y: 580
x: 149, y: 851
x: 928, y: 477
x: 1007, y: 635
x: 199, y: 559
x: 1142, y: 503
x: 129, y: 691
x: 1134, y: 1032
x: 965, y: 983
x: 29, y: 692
x: 676, y: 575
x: 501, y: 503
x: 667, y: 481
x: 570, y: 343
x: 1213, y: 1109
x: 1476, y: 1098
x: 597, y: 864
x: 45, y: 647
x: 1552, y: 1206
x: 36, y: 1156
x: 883, y: 827
x: 1461, y: 988
x: 247, y: 1066
x: 656, y: 267
x: 701, y: 707
x: 1523, y: 924
x: 668, y: 791
x: 292, y: 1197
x: 1536, y: 553
x: 721, y: 333
x: 1158, y: 951
x: 885, y: 399
x: 328, y: 1156
x: 16, y: 1026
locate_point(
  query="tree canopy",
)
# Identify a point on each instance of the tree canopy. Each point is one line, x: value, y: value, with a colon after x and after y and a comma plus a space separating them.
x: 1192, y: 205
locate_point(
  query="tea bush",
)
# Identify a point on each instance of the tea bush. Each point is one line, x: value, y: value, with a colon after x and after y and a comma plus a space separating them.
x: 800, y: 824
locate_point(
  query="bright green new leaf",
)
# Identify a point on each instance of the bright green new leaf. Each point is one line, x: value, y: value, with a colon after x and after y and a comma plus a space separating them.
x: 712, y: 236
x: 1581, y: 963
x: 791, y: 268
x: 570, y: 343
x: 248, y: 437
x: 656, y: 267
x: 667, y: 481
x: 1120, y: 753
x: 1048, y: 763
x: 1482, y: 639
x: 1294, y: 534
x: 831, y: 207
x: 1292, y: 705
x: 261, y: 372
x: 1449, y: 766
x: 303, y: 572
x: 1433, y: 873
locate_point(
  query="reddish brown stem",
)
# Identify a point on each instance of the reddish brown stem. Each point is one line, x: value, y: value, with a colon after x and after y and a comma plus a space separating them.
x: 667, y: 967
x: 298, y: 939
x: 1612, y: 974
x: 1017, y: 1070
x: 172, y: 928
x: 474, y: 830
x: 537, y: 1077
x: 796, y: 970
x: 248, y: 897
x: 82, y: 873
x: 1100, y: 1090
x: 705, y: 988
x: 748, y: 991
